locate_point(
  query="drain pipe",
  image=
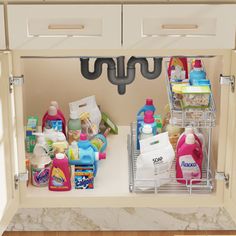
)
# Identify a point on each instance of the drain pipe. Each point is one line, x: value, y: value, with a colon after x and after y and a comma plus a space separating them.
x: 121, y: 73
x: 119, y: 78
x: 84, y: 62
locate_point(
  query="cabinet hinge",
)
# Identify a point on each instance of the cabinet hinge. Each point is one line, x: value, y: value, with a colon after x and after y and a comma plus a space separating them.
x: 15, y: 81
x: 21, y: 177
x: 223, y: 177
x: 228, y: 80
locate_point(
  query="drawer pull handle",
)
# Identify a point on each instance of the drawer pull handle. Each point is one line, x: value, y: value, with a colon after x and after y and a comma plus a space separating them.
x: 65, y: 27
x: 179, y: 26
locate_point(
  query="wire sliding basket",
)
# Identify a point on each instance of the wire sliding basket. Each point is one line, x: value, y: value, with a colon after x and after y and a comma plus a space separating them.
x: 167, y: 185
x: 195, y: 117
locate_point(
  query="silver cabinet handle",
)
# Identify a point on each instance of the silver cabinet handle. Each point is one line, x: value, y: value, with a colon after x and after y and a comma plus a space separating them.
x: 65, y: 27
x: 179, y: 26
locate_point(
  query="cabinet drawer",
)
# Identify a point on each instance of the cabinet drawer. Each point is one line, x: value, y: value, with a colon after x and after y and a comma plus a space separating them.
x: 64, y: 26
x: 2, y: 29
x: 179, y: 26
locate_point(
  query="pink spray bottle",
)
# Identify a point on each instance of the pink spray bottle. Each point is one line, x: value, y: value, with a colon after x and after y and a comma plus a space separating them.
x: 189, y: 161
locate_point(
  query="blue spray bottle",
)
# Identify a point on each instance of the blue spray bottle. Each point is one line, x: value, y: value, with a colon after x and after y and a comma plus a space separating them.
x: 140, y: 116
x: 88, y: 154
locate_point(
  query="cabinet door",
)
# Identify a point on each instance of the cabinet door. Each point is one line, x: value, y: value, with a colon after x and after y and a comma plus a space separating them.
x: 230, y: 169
x: 2, y: 29
x: 179, y: 26
x: 9, y: 195
x: 64, y: 26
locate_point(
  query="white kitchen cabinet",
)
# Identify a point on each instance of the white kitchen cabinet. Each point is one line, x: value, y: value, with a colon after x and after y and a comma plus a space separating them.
x: 179, y: 26
x: 64, y: 26
x: 2, y: 29
x: 112, y: 185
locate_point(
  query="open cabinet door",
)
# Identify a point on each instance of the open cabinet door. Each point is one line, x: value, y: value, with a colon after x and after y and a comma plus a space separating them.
x: 230, y: 168
x: 9, y: 196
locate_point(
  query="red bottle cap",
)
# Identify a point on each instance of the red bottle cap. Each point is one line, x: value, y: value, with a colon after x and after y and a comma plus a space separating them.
x: 198, y: 64
x: 83, y: 137
x: 148, y: 117
x: 102, y: 155
x: 149, y: 102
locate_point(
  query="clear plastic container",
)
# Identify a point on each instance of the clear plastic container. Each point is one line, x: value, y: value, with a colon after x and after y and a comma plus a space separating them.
x: 196, y: 96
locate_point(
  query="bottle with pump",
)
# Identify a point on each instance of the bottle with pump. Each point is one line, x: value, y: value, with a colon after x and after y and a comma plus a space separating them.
x: 197, y: 73
x: 60, y: 179
x: 189, y: 161
x: 51, y: 118
x: 74, y: 127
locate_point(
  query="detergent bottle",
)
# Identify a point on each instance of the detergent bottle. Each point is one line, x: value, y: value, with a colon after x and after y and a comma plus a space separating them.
x: 181, y: 140
x: 60, y: 174
x: 146, y: 131
x: 55, y: 104
x: 88, y: 154
x: 197, y: 73
x: 100, y: 140
x: 54, y: 120
x: 189, y: 161
x: 147, y: 107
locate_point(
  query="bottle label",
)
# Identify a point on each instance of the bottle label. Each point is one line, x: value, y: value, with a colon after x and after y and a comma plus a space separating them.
x: 58, y: 177
x: 73, y: 135
x: 54, y: 124
x: 40, y: 177
x: 189, y: 167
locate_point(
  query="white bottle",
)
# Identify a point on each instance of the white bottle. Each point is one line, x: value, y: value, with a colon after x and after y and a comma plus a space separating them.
x: 146, y: 132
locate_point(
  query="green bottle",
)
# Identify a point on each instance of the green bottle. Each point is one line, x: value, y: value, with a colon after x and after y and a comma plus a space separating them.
x: 74, y: 127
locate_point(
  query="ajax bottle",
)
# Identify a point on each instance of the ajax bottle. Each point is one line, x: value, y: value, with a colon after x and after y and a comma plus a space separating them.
x: 54, y: 120
x: 60, y: 174
x: 189, y: 161
x: 197, y: 73
x: 74, y: 127
x: 40, y: 164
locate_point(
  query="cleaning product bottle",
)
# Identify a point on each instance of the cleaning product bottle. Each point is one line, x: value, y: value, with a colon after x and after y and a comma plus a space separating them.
x: 149, y: 119
x: 55, y: 104
x: 60, y: 174
x: 73, y: 151
x: 197, y: 73
x: 74, y: 127
x: 100, y: 140
x: 40, y: 163
x: 88, y: 153
x: 181, y: 140
x: 147, y: 107
x: 54, y: 120
x: 146, y: 132
x: 189, y: 161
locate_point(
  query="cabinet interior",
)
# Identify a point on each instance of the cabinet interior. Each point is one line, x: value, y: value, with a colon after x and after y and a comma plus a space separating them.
x: 60, y: 79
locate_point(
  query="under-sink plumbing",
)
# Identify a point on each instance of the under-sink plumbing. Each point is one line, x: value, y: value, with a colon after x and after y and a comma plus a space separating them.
x: 116, y: 70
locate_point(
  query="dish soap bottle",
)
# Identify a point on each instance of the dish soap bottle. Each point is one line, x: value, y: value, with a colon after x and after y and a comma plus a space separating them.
x: 60, y: 174
x: 74, y: 127
x: 189, y: 161
x: 146, y: 132
x: 197, y: 73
